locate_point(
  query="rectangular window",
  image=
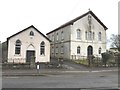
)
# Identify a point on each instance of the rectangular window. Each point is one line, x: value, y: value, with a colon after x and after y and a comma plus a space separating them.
x: 17, y: 49
x: 90, y: 35
x: 42, y: 51
x: 42, y: 48
x: 78, y: 34
x: 99, y: 36
x: 52, y: 50
x: 53, y: 38
x: 78, y: 50
x: 62, y: 50
x: 56, y: 50
x: 93, y: 35
x: 62, y: 35
x: 57, y: 36
x: 86, y: 35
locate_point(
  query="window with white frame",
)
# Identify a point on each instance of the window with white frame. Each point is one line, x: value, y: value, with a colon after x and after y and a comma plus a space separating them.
x: 56, y: 50
x: 78, y: 34
x: 90, y: 35
x: 78, y: 50
x: 18, y: 47
x: 86, y: 35
x: 62, y: 35
x: 62, y: 49
x: 52, y: 50
x: 57, y: 36
x: 93, y: 35
x: 31, y: 33
x: 53, y: 38
x: 42, y: 48
x: 99, y: 51
x: 99, y: 36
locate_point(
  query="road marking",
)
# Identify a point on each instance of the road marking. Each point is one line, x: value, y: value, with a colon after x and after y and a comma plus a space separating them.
x: 11, y: 77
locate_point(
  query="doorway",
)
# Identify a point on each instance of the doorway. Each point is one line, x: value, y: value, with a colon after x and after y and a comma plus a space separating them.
x: 30, y: 55
x: 89, y: 50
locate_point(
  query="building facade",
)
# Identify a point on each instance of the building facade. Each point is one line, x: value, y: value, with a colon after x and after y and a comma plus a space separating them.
x: 28, y: 44
x: 78, y: 38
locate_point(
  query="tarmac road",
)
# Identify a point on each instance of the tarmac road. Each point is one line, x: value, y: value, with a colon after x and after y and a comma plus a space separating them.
x: 78, y: 80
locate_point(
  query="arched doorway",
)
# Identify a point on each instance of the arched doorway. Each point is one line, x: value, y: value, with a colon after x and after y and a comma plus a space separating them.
x: 89, y: 50
x: 30, y: 54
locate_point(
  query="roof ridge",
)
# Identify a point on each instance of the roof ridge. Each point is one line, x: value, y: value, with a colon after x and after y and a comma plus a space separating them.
x: 31, y: 26
x: 77, y: 18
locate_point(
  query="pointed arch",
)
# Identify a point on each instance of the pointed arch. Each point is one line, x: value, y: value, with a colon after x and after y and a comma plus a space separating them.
x: 31, y: 47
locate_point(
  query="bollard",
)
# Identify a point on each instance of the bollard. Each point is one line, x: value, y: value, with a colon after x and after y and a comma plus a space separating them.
x: 38, y: 67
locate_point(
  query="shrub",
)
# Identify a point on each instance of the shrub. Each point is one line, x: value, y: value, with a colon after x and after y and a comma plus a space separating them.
x: 105, y: 57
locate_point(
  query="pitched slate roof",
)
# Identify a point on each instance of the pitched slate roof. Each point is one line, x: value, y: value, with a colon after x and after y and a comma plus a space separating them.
x: 27, y: 29
x: 72, y: 21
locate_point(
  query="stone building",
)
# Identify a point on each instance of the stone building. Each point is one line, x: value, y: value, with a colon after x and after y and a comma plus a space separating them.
x: 78, y: 38
x: 28, y: 44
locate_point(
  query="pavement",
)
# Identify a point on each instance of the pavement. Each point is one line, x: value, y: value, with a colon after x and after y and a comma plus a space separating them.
x: 54, y: 71
x: 67, y: 68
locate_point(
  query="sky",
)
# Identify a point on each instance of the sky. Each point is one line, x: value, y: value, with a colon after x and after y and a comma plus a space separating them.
x: 46, y: 15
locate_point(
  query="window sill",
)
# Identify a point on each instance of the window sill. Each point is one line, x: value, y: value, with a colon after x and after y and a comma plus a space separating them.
x: 79, y: 38
x: 17, y: 55
x: 42, y: 55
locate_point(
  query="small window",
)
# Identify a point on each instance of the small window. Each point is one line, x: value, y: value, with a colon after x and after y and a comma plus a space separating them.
x: 86, y: 35
x: 53, y: 38
x: 52, y: 50
x: 62, y: 50
x: 78, y: 50
x: 31, y: 33
x: 57, y: 36
x: 62, y: 35
x: 99, y: 36
x: 42, y: 48
x: 99, y: 51
x: 78, y: 34
x: 90, y: 35
x: 93, y: 35
x: 17, y: 46
x: 56, y: 50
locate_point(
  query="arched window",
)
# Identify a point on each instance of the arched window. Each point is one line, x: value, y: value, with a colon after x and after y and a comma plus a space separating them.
x: 78, y: 50
x: 31, y: 33
x: 99, y: 51
x: 42, y: 48
x: 17, y: 46
x: 99, y: 36
x: 78, y: 34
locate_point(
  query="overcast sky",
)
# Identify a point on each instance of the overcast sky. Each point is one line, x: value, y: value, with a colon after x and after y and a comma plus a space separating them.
x: 46, y: 15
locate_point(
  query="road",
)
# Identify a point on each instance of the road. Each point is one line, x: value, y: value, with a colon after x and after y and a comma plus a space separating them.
x: 67, y: 80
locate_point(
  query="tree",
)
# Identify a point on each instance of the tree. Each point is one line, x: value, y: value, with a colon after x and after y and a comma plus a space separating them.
x: 115, y: 39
